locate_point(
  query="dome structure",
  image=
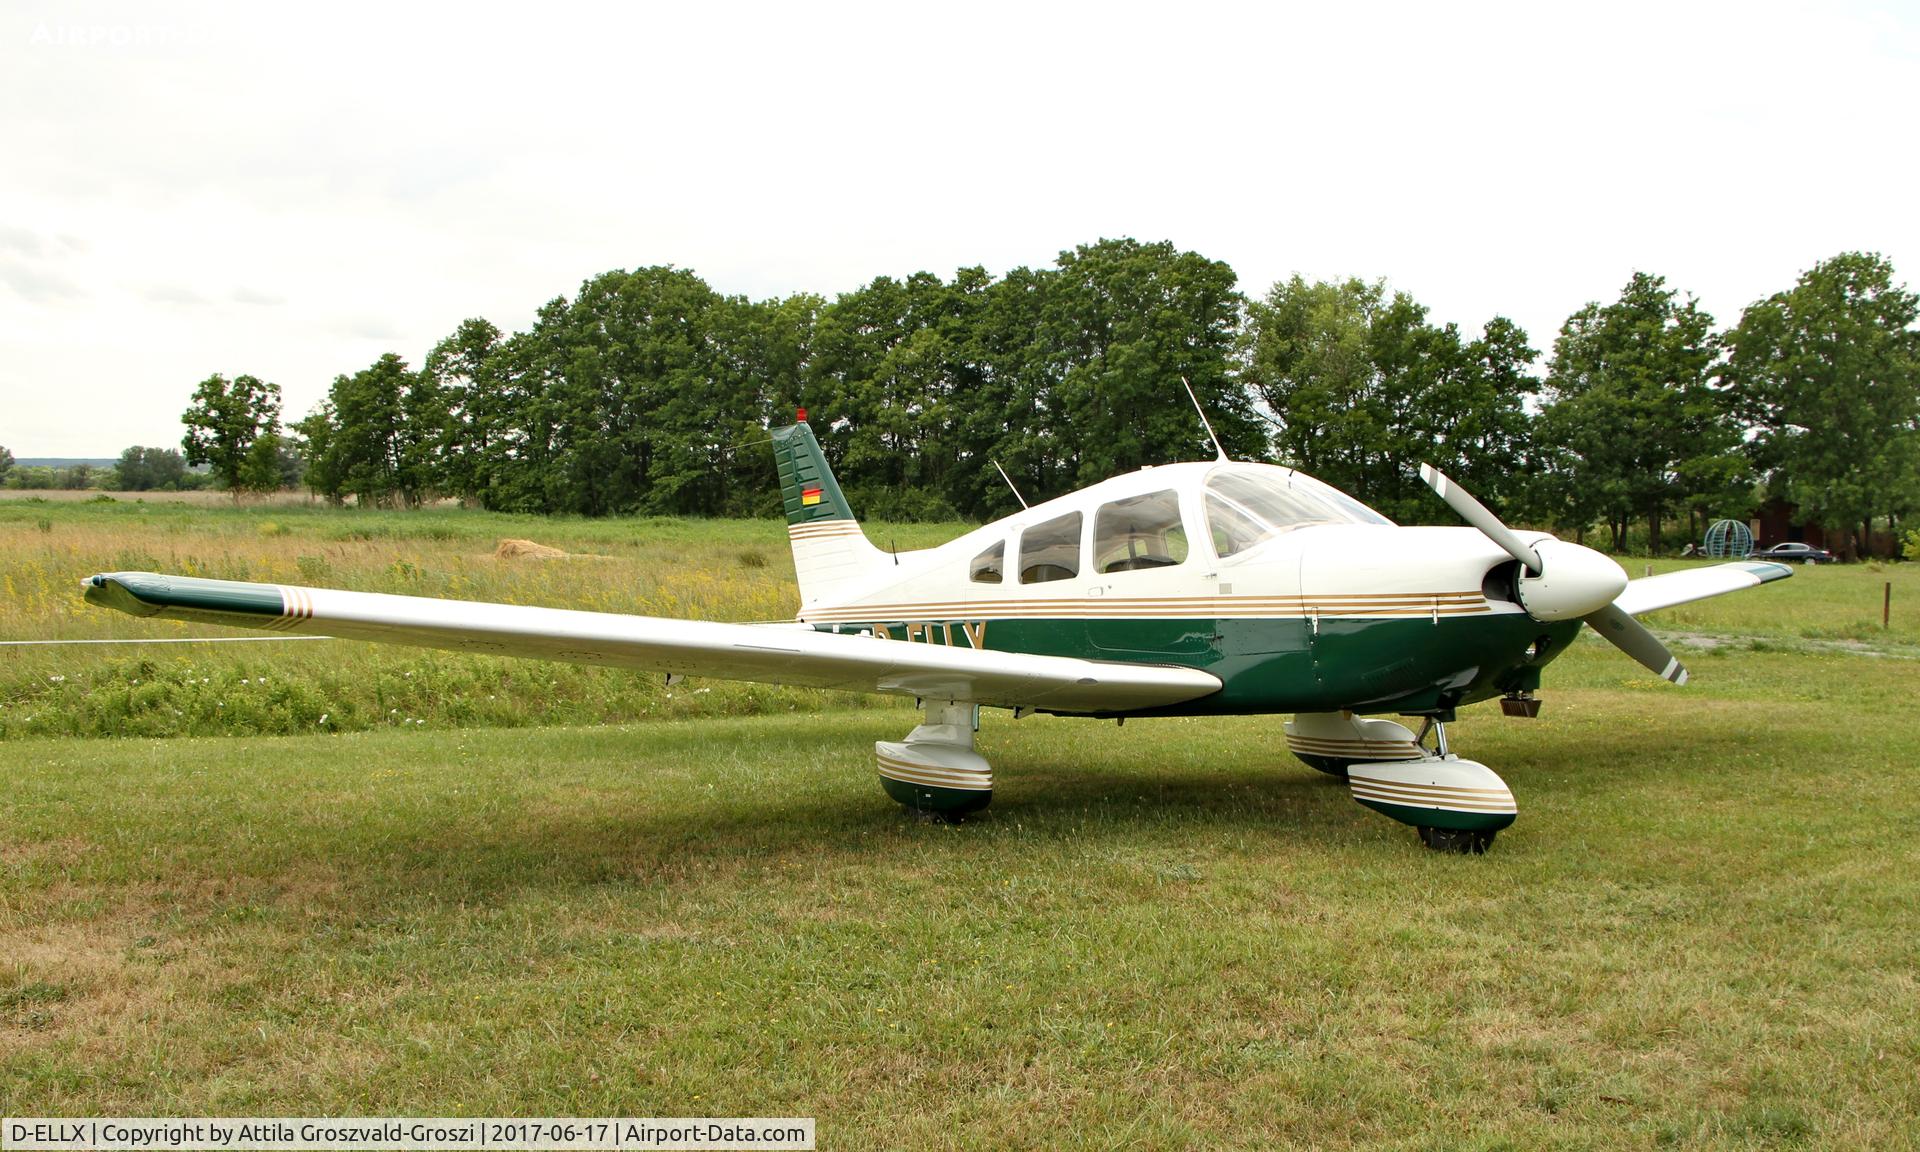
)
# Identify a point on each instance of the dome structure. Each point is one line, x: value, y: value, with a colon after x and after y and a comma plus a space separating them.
x: 1729, y: 538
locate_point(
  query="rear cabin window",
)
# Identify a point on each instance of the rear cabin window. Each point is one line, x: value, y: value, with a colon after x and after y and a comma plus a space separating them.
x: 988, y: 566
x: 1051, y: 550
x: 1139, y: 532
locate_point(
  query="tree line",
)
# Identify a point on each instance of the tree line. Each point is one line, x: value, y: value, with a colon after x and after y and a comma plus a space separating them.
x: 648, y: 391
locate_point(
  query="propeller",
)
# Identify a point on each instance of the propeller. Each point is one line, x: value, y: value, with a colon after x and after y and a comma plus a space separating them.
x: 1560, y: 581
x: 1476, y: 514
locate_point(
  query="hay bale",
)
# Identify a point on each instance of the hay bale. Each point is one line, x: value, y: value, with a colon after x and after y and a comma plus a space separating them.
x: 526, y: 550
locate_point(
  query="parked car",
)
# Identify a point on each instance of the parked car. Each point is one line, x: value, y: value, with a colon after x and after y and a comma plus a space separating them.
x: 1804, y: 553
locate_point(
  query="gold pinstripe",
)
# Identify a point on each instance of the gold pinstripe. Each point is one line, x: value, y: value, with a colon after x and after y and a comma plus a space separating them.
x: 1352, y: 604
x: 1386, y: 749
x: 1454, y: 789
x: 1490, y: 807
x: 296, y: 608
x: 908, y: 773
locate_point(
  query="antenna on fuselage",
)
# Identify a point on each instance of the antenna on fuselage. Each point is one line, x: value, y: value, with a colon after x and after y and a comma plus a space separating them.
x: 1009, y: 480
x: 1204, y: 422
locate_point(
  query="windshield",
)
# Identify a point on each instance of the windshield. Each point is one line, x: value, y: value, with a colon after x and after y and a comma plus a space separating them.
x: 1249, y: 503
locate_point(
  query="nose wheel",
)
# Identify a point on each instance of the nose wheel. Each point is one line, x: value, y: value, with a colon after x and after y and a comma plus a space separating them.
x: 1456, y: 840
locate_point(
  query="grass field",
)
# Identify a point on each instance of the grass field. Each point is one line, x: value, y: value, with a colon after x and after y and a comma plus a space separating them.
x: 1701, y: 932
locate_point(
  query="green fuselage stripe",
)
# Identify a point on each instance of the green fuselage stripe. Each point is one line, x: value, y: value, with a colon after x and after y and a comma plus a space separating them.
x: 1287, y: 664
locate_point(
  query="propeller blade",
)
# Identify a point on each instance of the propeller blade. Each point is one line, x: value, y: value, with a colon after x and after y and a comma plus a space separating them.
x: 1476, y: 514
x: 1630, y: 636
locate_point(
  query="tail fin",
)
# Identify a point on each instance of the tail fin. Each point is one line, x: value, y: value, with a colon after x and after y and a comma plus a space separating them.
x: 830, y: 553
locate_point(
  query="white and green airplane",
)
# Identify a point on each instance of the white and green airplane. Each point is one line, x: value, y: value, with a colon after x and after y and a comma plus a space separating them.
x: 1201, y: 589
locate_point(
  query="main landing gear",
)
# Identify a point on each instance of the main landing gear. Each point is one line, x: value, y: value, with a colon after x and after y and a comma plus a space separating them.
x: 935, y: 771
x: 1457, y: 805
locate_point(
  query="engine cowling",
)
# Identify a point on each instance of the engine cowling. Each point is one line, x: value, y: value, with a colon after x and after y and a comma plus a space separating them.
x: 1574, y: 581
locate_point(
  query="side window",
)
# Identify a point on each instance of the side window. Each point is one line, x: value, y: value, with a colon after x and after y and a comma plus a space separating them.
x: 1051, y: 551
x: 1233, y: 530
x: 988, y: 565
x: 1139, y: 532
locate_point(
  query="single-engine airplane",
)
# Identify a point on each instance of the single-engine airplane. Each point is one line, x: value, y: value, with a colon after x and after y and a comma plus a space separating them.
x: 1199, y: 589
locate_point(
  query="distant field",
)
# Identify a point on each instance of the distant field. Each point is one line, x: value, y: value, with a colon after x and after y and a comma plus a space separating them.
x: 203, y: 498
x: 497, y: 895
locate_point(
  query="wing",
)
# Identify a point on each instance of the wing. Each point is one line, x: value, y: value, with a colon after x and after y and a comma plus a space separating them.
x: 1655, y: 592
x: 770, y: 654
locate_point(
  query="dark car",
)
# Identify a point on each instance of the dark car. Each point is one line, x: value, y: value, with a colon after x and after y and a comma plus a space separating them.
x: 1789, y: 553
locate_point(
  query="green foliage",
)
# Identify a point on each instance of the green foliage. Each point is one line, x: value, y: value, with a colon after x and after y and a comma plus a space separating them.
x: 649, y: 392
x: 6, y: 464
x: 147, y: 469
x: 1360, y: 390
x: 379, y: 435
x: 1633, y: 427
x: 1829, y: 375
x: 224, y: 421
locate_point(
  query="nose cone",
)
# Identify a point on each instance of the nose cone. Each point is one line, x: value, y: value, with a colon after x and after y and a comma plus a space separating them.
x: 1575, y: 581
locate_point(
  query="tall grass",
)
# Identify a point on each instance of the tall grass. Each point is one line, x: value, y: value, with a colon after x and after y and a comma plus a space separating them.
x: 714, y: 569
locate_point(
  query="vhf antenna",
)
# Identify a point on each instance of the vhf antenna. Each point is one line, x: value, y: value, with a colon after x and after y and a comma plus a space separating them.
x: 1204, y: 422
x: 1009, y: 480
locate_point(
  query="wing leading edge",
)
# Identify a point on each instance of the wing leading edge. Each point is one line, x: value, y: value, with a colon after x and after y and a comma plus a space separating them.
x: 769, y: 654
x: 1652, y: 593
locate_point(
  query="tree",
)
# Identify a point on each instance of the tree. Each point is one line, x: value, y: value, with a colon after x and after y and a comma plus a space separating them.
x: 316, y: 438
x: 1632, y: 415
x: 1829, y: 375
x: 474, y: 441
x: 1360, y: 390
x: 387, y: 422
x: 1122, y: 323
x: 32, y: 476
x: 6, y: 464
x: 146, y: 469
x: 223, y: 422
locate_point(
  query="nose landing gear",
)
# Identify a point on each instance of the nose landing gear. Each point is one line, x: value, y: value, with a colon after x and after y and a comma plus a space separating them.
x: 1456, y: 805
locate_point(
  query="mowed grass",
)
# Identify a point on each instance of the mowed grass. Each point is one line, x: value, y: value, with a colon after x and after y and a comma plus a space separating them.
x: 1701, y: 932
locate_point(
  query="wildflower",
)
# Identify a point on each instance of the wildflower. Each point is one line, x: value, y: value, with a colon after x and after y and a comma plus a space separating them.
x: 56, y: 679
x: 323, y: 717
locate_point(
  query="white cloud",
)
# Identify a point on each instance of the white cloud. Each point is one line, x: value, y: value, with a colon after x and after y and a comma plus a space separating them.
x: 383, y: 173
x: 172, y: 294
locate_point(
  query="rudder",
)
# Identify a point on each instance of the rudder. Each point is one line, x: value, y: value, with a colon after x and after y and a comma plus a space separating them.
x: 830, y: 553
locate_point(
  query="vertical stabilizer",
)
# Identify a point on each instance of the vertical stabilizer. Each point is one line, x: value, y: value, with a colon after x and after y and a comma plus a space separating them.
x: 830, y: 553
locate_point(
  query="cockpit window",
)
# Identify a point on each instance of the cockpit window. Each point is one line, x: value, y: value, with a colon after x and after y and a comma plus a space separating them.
x: 1248, y: 504
x: 1050, y: 550
x: 988, y: 565
x: 1139, y: 532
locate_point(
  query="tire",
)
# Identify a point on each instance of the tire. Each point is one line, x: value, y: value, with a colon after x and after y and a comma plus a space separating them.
x: 1454, y: 840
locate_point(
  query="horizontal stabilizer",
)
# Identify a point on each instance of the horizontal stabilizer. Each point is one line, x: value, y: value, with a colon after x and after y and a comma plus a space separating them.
x: 764, y: 653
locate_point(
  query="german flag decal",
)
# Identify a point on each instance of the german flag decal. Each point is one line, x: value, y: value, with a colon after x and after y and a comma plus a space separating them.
x: 809, y: 496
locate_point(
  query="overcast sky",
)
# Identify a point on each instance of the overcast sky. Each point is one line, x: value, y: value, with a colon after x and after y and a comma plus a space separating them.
x: 292, y: 191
